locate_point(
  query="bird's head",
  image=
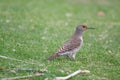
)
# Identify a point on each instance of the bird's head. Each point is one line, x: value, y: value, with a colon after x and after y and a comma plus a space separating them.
x: 82, y: 28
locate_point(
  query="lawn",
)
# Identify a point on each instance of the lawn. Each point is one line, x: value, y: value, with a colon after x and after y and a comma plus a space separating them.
x: 31, y: 30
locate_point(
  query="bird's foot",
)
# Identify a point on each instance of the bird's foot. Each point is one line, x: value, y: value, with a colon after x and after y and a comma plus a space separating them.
x: 73, y: 59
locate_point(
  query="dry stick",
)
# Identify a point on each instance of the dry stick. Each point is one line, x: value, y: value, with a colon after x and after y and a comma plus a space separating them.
x: 24, y: 77
x: 4, y: 57
x: 73, y: 74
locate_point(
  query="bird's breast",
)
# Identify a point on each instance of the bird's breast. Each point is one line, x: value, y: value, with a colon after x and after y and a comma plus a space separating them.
x: 80, y: 45
x: 81, y: 39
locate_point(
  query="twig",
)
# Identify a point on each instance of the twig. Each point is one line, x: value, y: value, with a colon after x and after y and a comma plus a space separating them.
x: 4, y: 57
x: 30, y: 69
x: 22, y: 69
x: 24, y: 77
x: 6, y: 69
x: 73, y: 74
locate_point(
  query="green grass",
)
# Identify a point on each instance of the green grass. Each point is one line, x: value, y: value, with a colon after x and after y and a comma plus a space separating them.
x: 31, y: 30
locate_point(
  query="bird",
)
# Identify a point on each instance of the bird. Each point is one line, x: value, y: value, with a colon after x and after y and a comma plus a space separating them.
x: 72, y: 45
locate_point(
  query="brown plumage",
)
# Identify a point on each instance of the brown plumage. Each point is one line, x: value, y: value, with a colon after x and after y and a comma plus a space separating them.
x: 72, y: 45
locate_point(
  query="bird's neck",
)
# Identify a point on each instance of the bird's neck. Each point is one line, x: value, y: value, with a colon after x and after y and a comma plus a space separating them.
x: 78, y: 33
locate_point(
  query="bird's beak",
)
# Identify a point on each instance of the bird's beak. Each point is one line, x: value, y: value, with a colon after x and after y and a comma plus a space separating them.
x: 90, y: 28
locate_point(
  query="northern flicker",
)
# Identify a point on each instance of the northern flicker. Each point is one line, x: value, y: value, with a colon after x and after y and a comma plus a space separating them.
x: 72, y: 45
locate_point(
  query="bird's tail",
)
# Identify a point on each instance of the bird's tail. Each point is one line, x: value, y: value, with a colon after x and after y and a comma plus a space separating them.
x: 52, y: 56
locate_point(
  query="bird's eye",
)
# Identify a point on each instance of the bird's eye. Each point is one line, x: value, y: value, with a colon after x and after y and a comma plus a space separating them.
x: 84, y: 26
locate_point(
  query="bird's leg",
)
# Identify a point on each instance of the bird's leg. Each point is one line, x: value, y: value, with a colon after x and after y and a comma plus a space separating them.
x: 69, y: 56
x: 72, y: 56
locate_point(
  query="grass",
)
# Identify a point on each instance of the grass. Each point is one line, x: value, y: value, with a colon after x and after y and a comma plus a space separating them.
x: 32, y: 30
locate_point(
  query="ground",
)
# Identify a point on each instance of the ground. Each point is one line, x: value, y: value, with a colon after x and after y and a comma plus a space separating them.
x: 31, y: 30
